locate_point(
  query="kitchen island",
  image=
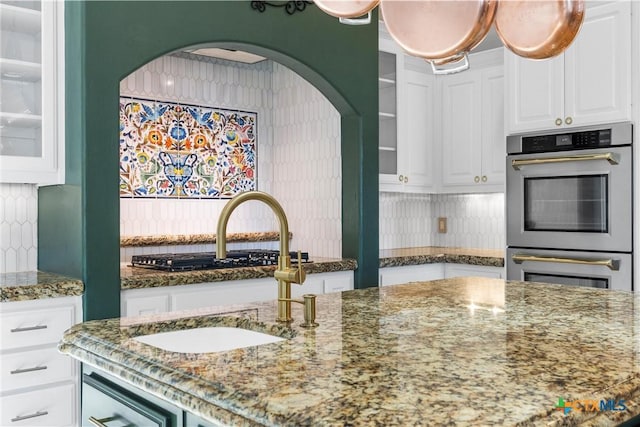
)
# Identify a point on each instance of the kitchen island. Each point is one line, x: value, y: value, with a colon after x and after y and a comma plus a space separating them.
x: 464, y: 351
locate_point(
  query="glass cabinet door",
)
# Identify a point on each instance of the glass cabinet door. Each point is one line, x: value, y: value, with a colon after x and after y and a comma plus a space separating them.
x: 30, y: 91
x: 387, y: 101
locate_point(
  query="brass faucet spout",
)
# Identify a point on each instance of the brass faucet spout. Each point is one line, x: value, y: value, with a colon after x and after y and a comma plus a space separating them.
x: 285, y: 275
x: 221, y: 233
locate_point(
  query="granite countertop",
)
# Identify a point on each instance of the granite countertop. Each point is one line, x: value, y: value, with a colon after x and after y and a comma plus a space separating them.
x: 436, y: 254
x: 197, y: 239
x: 32, y: 285
x: 462, y: 351
x: 140, y: 277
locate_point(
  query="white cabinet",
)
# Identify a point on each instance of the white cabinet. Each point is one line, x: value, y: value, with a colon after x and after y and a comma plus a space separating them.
x: 462, y: 270
x: 137, y: 302
x: 472, y: 132
x: 437, y: 271
x: 32, y: 92
x: 39, y: 385
x: 587, y: 84
x: 406, y: 93
x: 410, y: 273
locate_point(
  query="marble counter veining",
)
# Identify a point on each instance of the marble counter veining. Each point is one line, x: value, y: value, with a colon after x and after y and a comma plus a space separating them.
x: 30, y: 285
x: 463, y: 351
x: 140, y: 277
x: 435, y: 254
x: 197, y: 239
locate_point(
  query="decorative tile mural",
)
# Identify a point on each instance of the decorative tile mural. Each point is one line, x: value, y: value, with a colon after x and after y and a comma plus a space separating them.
x: 178, y: 150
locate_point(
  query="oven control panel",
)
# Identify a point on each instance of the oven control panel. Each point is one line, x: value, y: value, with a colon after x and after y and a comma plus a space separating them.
x: 567, y: 141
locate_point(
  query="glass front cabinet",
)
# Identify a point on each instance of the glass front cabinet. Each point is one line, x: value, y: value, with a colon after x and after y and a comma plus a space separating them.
x: 32, y: 92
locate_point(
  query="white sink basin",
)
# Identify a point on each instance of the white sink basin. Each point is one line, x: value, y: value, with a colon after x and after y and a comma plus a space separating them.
x: 207, y: 340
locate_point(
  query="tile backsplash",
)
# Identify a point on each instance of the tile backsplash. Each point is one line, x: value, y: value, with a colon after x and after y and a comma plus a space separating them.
x: 18, y: 228
x: 298, y: 148
x: 473, y: 220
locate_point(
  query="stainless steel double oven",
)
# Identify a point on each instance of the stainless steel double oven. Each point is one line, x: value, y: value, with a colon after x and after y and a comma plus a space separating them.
x: 569, y: 207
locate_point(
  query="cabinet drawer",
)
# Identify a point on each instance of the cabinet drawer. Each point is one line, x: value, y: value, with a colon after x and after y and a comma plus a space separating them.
x: 36, y: 367
x: 35, y: 327
x: 53, y: 406
x: 106, y: 402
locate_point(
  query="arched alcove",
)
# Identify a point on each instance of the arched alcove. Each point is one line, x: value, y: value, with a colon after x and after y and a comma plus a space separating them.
x: 106, y: 41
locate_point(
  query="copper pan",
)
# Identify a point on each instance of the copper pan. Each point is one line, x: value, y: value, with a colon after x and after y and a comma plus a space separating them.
x: 348, y: 9
x: 538, y: 29
x: 440, y: 31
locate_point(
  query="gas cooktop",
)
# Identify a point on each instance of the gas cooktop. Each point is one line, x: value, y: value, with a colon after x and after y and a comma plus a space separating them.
x: 207, y: 260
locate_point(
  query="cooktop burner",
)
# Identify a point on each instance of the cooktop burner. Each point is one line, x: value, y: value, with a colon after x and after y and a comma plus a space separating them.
x: 207, y: 260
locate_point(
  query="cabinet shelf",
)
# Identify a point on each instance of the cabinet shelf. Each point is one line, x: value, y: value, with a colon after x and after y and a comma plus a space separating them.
x: 20, y: 120
x: 20, y: 19
x: 24, y: 71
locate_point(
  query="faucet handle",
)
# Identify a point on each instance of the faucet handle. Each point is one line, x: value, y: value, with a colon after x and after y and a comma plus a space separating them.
x: 301, y: 275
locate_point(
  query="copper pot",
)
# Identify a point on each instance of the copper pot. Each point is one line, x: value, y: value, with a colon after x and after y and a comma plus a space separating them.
x: 440, y: 31
x: 538, y: 29
x: 346, y: 8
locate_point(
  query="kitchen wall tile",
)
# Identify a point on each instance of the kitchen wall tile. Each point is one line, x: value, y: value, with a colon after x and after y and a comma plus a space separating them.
x: 302, y: 114
x: 18, y: 227
x: 473, y: 220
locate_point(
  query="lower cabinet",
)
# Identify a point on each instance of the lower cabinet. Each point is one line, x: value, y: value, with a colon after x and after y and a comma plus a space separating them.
x: 410, y: 273
x: 39, y: 386
x: 460, y: 270
x: 425, y: 272
x: 139, y: 302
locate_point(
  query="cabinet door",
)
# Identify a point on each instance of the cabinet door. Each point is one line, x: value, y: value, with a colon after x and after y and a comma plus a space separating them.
x: 410, y: 273
x: 31, y: 92
x: 493, y: 135
x: 462, y: 270
x: 415, y: 152
x: 461, y: 130
x: 598, y: 67
x: 534, y: 95
x: 390, y: 69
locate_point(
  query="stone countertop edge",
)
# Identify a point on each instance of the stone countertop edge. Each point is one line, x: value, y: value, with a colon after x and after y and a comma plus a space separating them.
x: 34, y: 285
x: 517, y: 382
x: 434, y: 255
x: 196, y: 239
x: 140, y: 277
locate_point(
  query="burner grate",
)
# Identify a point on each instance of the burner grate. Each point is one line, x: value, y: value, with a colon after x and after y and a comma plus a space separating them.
x: 207, y: 260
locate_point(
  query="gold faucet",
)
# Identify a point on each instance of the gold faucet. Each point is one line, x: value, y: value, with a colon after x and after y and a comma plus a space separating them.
x: 285, y: 275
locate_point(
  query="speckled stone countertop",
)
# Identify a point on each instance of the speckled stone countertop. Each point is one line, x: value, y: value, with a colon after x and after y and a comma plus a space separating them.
x: 463, y: 351
x: 32, y: 285
x: 197, y: 239
x: 436, y: 254
x: 140, y: 277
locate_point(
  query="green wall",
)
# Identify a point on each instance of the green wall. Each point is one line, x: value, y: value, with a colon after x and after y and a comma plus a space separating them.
x: 107, y: 40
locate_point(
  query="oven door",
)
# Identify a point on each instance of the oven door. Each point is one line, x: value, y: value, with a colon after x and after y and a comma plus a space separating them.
x: 570, y: 200
x: 587, y: 269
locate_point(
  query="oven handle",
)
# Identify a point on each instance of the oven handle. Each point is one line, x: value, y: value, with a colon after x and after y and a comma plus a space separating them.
x: 610, y: 157
x: 611, y: 264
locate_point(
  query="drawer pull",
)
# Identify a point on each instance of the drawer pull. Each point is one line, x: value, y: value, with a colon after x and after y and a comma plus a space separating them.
x: 29, y: 328
x: 26, y: 417
x: 22, y: 371
x: 102, y: 422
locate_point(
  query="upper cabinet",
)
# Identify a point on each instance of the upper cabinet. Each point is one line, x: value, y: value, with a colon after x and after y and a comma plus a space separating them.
x: 587, y: 84
x: 472, y: 131
x: 32, y: 92
x: 406, y: 93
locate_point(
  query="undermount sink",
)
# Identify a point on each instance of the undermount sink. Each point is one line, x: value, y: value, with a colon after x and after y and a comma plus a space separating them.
x: 207, y: 340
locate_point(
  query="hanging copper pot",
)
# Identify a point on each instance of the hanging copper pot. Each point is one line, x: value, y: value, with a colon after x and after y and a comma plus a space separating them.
x: 348, y: 9
x: 537, y: 29
x: 440, y: 31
